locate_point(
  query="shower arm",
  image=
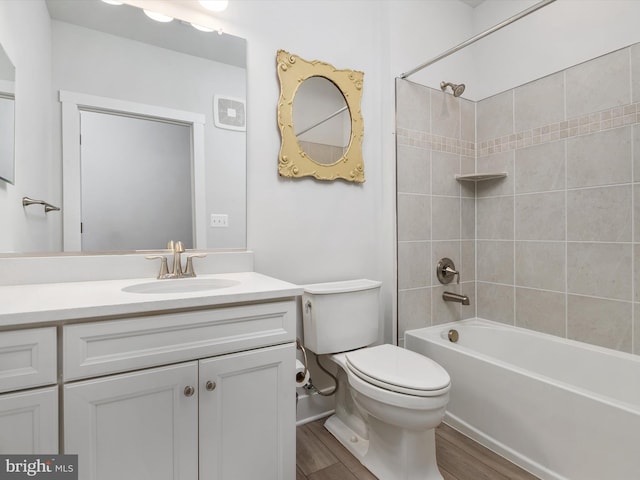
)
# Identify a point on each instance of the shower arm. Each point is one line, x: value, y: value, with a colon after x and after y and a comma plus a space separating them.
x: 479, y: 36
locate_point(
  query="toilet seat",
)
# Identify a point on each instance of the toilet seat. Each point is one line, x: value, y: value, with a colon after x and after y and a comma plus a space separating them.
x: 398, y: 370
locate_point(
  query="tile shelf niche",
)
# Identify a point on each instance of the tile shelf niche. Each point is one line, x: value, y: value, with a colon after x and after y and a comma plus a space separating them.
x: 478, y: 177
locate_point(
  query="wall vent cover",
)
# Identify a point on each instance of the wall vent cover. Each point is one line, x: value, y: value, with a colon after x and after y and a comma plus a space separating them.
x: 229, y: 113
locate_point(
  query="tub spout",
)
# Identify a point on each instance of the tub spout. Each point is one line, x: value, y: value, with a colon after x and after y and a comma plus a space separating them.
x: 454, y: 297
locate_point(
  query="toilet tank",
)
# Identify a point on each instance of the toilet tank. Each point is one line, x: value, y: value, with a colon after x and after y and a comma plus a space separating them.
x: 340, y: 316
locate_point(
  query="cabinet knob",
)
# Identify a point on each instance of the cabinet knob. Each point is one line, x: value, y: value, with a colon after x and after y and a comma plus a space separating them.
x: 189, y: 391
x: 210, y: 386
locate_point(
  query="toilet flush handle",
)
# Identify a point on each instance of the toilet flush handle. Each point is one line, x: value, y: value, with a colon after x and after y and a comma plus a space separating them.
x: 307, y: 306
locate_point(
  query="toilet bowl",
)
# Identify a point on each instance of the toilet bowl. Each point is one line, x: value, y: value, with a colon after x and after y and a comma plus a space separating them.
x: 397, y: 407
x: 389, y: 400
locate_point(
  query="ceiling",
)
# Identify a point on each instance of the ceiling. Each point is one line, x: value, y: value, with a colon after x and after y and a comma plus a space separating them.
x: 129, y: 22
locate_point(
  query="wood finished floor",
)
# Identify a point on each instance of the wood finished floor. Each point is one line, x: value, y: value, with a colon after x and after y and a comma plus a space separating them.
x: 319, y: 456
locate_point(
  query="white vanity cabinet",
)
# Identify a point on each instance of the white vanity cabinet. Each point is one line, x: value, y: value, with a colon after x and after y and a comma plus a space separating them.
x: 212, y: 395
x: 137, y: 425
x: 28, y: 411
x: 247, y: 415
x: 29, y: 422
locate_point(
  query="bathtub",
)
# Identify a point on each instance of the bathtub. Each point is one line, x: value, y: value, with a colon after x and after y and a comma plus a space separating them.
x: 558, y: 408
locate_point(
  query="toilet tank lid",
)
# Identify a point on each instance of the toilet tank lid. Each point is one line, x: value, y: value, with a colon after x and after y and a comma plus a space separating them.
x: 341, y: 286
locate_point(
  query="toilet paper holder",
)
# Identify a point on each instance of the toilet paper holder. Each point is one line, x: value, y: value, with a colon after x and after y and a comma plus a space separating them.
x: 300, y: 375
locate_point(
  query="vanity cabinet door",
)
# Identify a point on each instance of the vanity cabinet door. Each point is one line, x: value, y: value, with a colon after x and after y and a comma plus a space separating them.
x: 29, y: 422
x: 137, y: 426
x: 247, y: 415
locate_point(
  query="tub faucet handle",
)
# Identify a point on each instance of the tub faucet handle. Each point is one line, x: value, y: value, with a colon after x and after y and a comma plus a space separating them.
x: 446, y: 270
x: 451, y: 271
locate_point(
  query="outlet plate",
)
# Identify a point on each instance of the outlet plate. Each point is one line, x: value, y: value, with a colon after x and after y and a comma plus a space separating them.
x: 219, y: 220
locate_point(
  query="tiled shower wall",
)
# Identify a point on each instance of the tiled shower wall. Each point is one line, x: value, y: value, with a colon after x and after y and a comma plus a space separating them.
x: 557, y: 241
x: 435, y: 136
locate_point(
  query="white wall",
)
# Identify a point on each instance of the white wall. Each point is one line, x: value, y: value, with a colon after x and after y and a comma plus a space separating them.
x: 309, y: 231
x: 303, y: 230
x: 421, y: 31
x: 559, y: 35
x: 29, y: 49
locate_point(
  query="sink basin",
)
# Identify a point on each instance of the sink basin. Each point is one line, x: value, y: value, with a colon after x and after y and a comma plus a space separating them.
x: 181, y: 285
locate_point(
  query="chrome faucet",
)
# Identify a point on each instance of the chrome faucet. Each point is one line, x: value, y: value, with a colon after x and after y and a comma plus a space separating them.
x: 177, y: 249
x: 454, y: 297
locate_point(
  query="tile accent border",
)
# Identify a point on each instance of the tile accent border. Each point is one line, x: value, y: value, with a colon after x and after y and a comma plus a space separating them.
x: 438, y: 143
x: 594, y: 122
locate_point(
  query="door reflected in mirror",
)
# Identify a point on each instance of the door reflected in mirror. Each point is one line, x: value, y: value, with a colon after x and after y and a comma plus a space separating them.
x: 149, y: 162
x: 7, y: 123
x: 321, y: 120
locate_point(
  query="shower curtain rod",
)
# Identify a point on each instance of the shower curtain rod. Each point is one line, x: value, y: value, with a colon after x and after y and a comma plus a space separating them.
x: 475, y: 38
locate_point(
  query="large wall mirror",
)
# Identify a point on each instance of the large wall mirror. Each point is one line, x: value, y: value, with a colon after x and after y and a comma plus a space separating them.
x: 124, y: 63
x: 7, y: 125
x: 320, y: 120
x: 115, y: 56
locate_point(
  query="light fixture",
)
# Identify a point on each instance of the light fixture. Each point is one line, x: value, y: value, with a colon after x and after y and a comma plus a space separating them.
x: 158, y: 17
x: 202, y: 28
x: 112, y: 2
x: 215, y: 5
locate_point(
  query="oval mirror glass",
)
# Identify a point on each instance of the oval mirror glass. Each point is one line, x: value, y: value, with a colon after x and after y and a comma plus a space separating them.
x: 321, y: 120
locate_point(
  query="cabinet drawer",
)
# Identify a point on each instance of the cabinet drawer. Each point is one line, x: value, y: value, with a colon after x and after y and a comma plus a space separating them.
x: 99, y: 348
x: 27, y: 358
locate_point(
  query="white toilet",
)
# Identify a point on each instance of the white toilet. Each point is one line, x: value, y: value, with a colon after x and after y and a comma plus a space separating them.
x: 389, y: 400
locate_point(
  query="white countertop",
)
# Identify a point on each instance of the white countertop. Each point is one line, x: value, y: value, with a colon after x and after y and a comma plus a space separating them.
x: 22, y: 305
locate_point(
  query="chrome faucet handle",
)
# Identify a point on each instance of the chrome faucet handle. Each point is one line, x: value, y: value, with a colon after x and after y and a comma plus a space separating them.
x: 189, y: 272
x: 451, y: 271
x: 164, y: 269
x: 446, y: 270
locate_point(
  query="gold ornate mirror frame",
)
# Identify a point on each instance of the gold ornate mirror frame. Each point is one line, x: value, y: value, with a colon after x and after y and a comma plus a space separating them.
x: 293, y: 160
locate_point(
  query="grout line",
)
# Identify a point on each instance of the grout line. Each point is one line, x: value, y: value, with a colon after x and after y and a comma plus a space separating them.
x: 634, y: 192
x: 430, y: 249
x: 461, y: 264
x: 475, y: 210
x: 576, y: 294
x: 513, y: 206
x: 566, y: 217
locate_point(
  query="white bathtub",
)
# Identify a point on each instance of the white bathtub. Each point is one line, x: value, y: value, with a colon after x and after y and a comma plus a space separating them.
x: 558, y: 408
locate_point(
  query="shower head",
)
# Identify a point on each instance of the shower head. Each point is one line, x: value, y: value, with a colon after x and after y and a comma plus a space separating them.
x: 457, y: 89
